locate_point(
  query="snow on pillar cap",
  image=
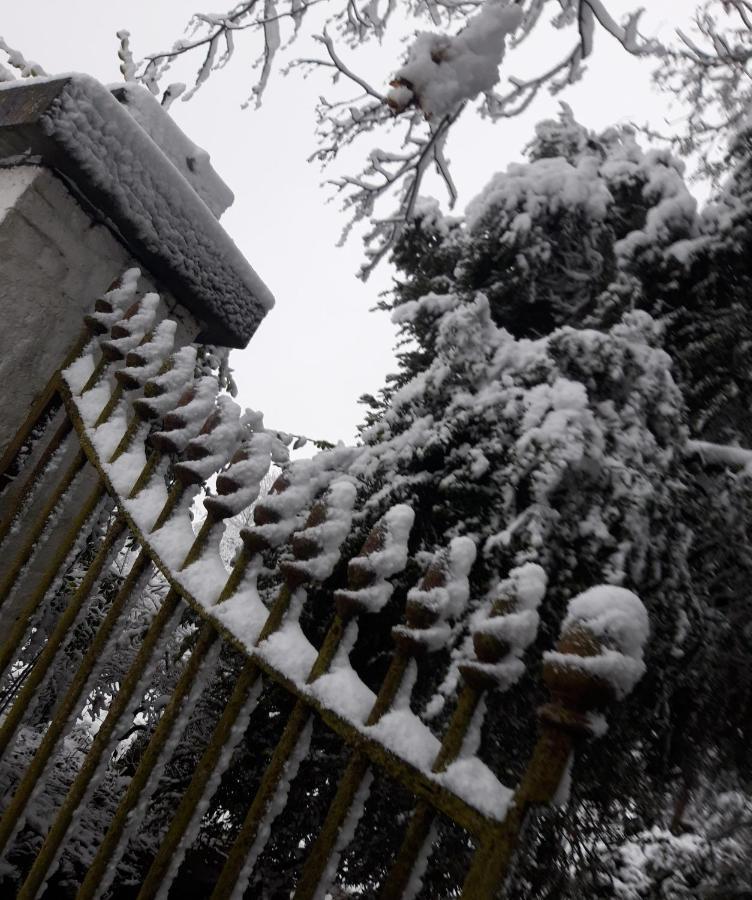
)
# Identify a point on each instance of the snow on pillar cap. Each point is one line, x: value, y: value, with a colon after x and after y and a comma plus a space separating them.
x: 193, y: 163
x: 76, y: 127
x: 599, y: 655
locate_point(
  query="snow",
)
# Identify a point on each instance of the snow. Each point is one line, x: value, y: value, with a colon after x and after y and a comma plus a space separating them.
x: 240, y: 483
x: 442, y: 71
x: 146, y: 677
x: 619, y: 619
x: 243, y: 615
x: 155, y: 208
x: 330, y: 534
x: 205, y: 578
x: 389, y: 558
x: 564, y: 789
x: 445, y: 599
x: 275, y: 807
x: 146, y: 362
x: 672, y: 213
x: 402, y: 732
x: 519, y: 629
x: 109, y: 434
x: 547, y: 186
x: 79, y: 372
x: 117, y: 299
x: 175, y: 537
x: 168, y: 387
x: 428, y: 304
x: 91, y: 403
x: 285, y: 505
x: 138, y: 813
x: 288, y: 649
x: 341, y: 688
x: 185, y: 422
x: 415, y: 884
x: 228, y: 748
x: 722, y: 454
x: 218, y: 439
x: 472, y: 780
x: 528, y: 582
x: 191, y: 161
x: 617, y: 670
x: 613, y: 614
x: 128, y: 332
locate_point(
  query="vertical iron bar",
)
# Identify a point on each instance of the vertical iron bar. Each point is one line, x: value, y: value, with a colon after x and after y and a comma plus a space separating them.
x: 192, y: 796
x: 20, y: 496
x: 41, y: 404
x: 147, y: 763
x: 59, y: 829
x: 39, y: 591
x: 44, y: 660
x: 60, y: 825
x: 184, y: 814
x: 69, y: 702
x: 35, y: 531
x: 423, y: 815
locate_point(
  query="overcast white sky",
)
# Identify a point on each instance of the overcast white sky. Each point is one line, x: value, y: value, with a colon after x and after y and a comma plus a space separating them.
x: 320, y: 348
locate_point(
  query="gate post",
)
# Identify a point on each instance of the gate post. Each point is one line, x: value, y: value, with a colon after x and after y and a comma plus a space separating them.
x: 91, y: 182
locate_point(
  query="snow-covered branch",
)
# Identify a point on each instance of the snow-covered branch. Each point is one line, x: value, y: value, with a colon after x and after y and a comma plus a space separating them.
x: 708, y: 71
x: 444, y: 70
x: 25, y: 67
x: 721, y: 454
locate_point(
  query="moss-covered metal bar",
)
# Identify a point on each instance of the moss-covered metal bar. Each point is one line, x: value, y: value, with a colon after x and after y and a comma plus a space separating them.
x: 39, y: 588
x: 59, y: 828
x: 32, y: 477
x: 70, y: 702
x: 206, y: 640
x: 35, y: 529
x: 185, y: 812
x: 62, y: 628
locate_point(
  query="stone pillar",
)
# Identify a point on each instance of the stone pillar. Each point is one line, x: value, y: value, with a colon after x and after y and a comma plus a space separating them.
x: 53, y: 262
x: 92, y: 183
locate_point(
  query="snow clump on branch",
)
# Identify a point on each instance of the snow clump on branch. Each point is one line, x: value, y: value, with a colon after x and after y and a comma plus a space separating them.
x: 442, y: 70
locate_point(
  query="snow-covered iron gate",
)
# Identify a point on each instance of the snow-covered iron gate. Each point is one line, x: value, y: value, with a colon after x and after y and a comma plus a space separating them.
x: 150, y: 435
x: 101, y: 467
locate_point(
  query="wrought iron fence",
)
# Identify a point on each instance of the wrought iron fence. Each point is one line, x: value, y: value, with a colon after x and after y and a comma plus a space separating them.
x: 106, y: 471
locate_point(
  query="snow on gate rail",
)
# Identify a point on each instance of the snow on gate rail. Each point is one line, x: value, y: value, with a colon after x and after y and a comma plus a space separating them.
x: 139, y: 435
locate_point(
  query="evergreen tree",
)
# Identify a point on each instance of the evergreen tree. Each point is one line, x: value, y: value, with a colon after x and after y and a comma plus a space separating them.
x: 534, y: 409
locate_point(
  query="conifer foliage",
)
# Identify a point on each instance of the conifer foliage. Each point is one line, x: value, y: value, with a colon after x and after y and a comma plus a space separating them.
x: 563, y: 347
